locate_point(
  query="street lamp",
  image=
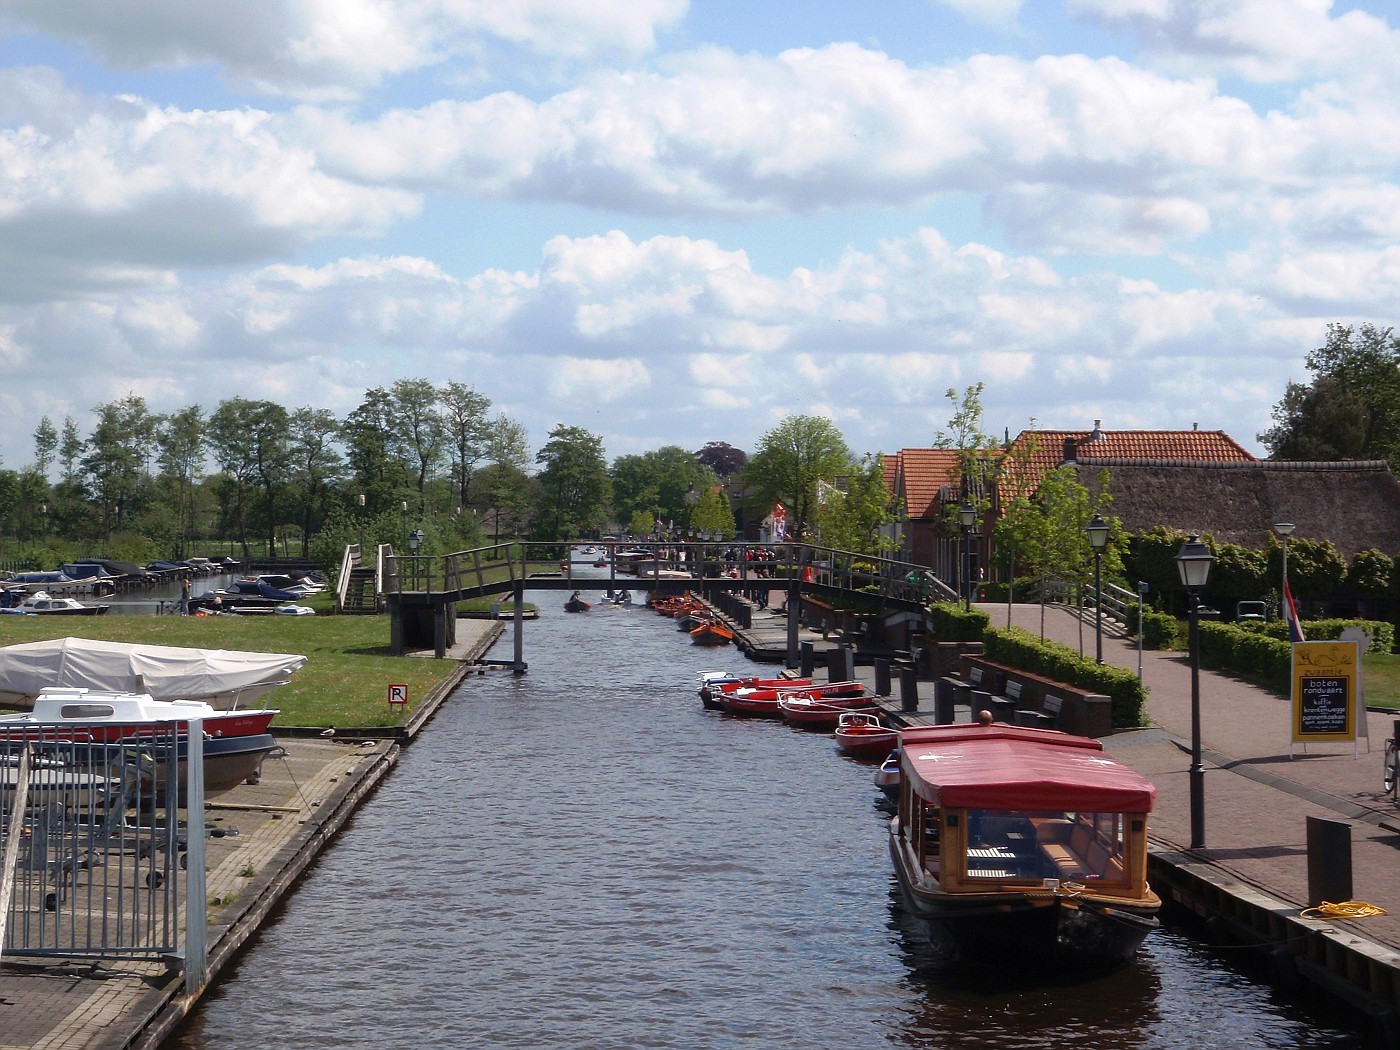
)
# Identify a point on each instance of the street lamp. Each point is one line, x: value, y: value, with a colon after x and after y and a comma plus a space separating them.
x: 1284, y: 529
x: 362, y: 524
x: 968, y: 514
x: 1098, y: 539
x: 1193, y: 562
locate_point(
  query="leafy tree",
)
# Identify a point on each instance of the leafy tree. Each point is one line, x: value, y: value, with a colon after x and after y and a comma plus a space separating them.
x: 1239, y: 574
x: 115, y: 458
x: 853, y: 519
x: 45, y: 445
x: 180, y: 444
x: 712, y: 512
x: 316, y: 463
x: 468, y: 429
x: 574, y: 478
x: 789, y: 461
x: 1351, y: 409
x: 419, y: 435
x: 70, y: 450
x: 378, y: 471
x: 509, y: 489
x: 1369, y: 574
x: 662, y: 482
x: 1315, y: 567
x: 249, y: 440
x: 723, y: 458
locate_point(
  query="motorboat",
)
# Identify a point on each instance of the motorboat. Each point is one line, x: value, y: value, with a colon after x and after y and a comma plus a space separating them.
x: 711, y: 632
x: 235, y: 743
x: 41, y: 603
x: 1022, y: 847
x: 576, y: 604
x: 244, y: 595
x: 862, y: 735
x: 713, y: 685
x: 887, y: 777
x: 808, y: 711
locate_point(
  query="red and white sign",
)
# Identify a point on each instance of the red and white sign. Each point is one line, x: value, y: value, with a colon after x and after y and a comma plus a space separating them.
x: 398, y: 694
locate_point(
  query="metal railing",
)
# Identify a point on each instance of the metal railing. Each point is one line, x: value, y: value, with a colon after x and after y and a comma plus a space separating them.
x: 96, y: 860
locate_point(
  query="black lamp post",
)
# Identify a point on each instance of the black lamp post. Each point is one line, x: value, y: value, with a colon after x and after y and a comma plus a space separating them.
x: 1193, y: 562
x: 968, y: 515
x: 1098, y: 539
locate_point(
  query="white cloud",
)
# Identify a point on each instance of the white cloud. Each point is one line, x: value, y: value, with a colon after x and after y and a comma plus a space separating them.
x: 338, y: 49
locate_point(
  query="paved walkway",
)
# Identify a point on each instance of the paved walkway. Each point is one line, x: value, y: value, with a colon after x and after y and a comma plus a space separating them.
x: 1257, y: 799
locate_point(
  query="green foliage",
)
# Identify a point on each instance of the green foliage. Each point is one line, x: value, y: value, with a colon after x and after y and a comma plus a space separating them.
x: 1159, y: 629
x: 950, y: 622
x: 1315, y: 567
x: 1239, y: 574
x: 1369, y: 574
x: 1251, y: 653
x: 577, y: 491
x: 851, y: 520
x: 789, y: 461
x: 1382, y: 632
x: 1018, y: 648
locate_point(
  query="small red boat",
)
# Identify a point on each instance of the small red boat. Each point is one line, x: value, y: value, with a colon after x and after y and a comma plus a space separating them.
x: 752, y: 703
x: 815, y: 712
x: 863, y: 735
x: 711, y: 633
x: 714, y: 683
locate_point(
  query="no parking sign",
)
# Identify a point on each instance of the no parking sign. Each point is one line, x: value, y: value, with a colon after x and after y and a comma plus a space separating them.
x: 398, y: 694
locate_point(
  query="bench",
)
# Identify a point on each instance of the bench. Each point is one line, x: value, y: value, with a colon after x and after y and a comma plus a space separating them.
x: 1074, y: 851
x: 1071, y: 708
x: 1047, y: 717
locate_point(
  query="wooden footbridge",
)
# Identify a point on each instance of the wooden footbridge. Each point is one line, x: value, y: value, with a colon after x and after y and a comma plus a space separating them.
x: 422, y: 591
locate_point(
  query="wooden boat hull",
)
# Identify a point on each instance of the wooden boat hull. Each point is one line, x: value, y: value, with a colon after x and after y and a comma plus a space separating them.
x: 711, y: 634
x: 1027, y: 931
x: 860, y: 742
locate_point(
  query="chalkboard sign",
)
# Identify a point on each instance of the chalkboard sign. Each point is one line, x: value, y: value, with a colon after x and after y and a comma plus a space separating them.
x: 1326, y: 688
x: 1322, y: 707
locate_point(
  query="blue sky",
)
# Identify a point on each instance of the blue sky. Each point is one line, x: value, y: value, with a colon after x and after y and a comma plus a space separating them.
x: 675, y: 222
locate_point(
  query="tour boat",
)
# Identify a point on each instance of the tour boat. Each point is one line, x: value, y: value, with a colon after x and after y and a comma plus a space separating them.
x: 1022, y: 847
x: 862, y: 735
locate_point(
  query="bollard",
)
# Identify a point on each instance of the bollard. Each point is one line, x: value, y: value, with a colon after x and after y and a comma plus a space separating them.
x: 840, y: 664
x: 1329, y: 861
x: 908, y: 689
x: 945, y: 701
x: 882, y: 677
x: 806, y: 658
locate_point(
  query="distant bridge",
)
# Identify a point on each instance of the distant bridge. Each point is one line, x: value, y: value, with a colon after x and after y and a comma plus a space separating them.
x: 422, y: 591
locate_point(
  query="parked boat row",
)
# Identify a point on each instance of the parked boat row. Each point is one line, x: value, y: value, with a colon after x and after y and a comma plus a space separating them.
x: 1017, y: 848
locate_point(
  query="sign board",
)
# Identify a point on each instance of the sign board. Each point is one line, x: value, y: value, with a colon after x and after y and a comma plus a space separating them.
x: 398, y: 694
x: 1325, y: 680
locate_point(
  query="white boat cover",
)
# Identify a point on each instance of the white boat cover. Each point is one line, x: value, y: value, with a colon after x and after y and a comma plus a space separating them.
x: 222, y: 678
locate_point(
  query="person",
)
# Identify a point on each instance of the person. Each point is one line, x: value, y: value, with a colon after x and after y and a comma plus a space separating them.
x: 185, y: 596
x: 984, y: 718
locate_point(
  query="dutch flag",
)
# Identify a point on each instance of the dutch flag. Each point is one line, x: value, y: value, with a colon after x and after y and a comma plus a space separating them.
x: 1295, y: 628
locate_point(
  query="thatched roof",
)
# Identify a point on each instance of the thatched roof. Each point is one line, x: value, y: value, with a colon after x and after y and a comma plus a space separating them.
x: 1354, y: 504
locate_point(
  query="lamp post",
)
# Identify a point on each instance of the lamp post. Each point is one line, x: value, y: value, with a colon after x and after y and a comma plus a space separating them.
x: 362, y: 524
x: 1098, y: 539
x: 968, y: 514
x: 1193, y: 562
x: 1284, y: 529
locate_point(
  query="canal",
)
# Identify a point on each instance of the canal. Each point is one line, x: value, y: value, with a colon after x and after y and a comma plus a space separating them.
x: 583, y: 856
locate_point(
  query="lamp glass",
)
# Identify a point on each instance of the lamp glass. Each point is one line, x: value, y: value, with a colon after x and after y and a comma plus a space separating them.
x: 968, y: 514
x: 1284, y: 528
x: 1193, y: 563
x: 1098, y: 533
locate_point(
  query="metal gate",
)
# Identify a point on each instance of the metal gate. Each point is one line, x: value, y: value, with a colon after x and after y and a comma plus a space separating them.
x: 93, y: 853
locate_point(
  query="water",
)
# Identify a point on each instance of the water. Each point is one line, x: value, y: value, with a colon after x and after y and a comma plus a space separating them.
x: 583, y: 856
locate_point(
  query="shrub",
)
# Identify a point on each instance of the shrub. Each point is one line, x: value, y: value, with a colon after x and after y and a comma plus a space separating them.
x: 950, y: 622
x: 1018, y: 648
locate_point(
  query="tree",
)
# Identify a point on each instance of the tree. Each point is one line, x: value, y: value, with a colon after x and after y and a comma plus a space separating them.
x: 316, y: 462
x: 1351, y: 409
x: 115, y: 460
x: 180, y: 443
x: 574, y: 478
x: 378, y: 472
x: 789, y: 461
x: 45, y: 445
x: 723, y: 458
x: 419, y: 435
x: 712, y: 512
x: 509, y: 489
x: 249, y: 440
x: 852, y: 518
x: 468, y: 431
x: 662, y: 483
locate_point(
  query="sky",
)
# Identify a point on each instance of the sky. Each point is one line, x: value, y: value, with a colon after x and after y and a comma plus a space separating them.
x: 671, y: 222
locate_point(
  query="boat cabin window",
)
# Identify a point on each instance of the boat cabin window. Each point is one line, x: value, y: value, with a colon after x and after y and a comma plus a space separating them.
x: 86, y: 711
x: 1064, y: 845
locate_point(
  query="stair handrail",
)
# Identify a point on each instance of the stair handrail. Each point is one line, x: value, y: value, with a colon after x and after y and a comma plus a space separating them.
x: 348, y: 560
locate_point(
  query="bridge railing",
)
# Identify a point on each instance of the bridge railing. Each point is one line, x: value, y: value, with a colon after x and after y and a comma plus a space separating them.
x: 499, y: 566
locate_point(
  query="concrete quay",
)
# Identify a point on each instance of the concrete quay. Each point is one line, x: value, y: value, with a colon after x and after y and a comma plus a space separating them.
x: 260, y: 838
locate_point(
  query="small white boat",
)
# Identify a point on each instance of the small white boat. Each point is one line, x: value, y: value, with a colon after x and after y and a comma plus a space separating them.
x: 42, y: 603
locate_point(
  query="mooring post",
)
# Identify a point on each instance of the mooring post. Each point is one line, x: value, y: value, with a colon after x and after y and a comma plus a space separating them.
x: 909, y: 689
x: 794, y: 610
x: 519, y: 667
x: 1329, y: 861
x: 882, y: 677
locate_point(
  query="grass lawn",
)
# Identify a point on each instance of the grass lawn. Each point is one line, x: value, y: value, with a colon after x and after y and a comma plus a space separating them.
x: 1380, y: 675
x: 348, y: 667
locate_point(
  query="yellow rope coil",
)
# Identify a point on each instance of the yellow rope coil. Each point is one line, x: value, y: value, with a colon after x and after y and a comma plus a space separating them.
x: 1344, y: 910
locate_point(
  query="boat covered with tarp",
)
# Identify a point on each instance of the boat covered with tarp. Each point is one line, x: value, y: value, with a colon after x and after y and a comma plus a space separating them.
x: 223, y: 678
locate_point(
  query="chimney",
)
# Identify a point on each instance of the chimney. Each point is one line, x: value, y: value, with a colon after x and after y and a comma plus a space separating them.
x: 1097, y: 434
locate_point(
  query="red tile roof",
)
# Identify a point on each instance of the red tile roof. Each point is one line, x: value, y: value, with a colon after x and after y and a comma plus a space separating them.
x: 920, y: 474
x: 1049, y: 449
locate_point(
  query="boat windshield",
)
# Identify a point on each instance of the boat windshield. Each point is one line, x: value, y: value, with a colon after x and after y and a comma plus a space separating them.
x: 1067, y: 846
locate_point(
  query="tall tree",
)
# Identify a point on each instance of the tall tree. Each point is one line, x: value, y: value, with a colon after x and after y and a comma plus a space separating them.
x: 316, y: 464
x: 419, y: 435
x: 115, y: 459
x: 249, y: 441
x: 378, y: 472
x: 1351, y: 409
x: 574, y: 477
x: 45, y: 445
x: 663, y: 483
x: 180, y: 443
x: 507, y: 486
x: 723, y: 458
x: 852, y: 515
x: 789, y: 461
x: 468, y: 428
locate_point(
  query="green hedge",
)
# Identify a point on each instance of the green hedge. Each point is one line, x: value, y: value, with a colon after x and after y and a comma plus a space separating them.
x: 1382, y: 632
x: 1015, y: 647
x: 950, y: 622
x: 1160, y: 629
x: 1247, y: 651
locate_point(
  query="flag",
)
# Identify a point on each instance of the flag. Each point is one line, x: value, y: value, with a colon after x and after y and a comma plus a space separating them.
x: 1295, y: 628
x: 779, y: 522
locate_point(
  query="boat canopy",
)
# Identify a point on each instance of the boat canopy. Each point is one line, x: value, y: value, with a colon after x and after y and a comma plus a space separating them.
x: 222, y: 678
x: 1009, y: 767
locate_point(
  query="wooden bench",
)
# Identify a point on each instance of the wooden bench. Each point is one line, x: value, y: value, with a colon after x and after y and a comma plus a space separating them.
x: 1074, y: 851
x: 1071, y: 709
